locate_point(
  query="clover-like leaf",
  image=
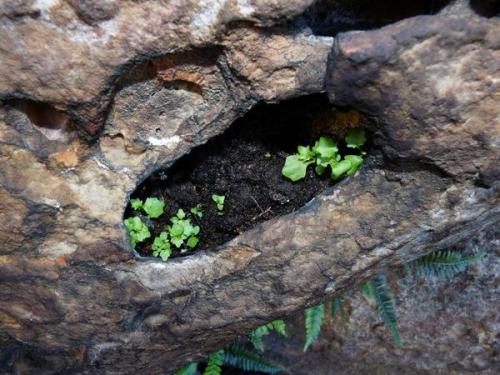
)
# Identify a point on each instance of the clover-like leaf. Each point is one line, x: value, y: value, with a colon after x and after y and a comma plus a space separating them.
x: 197, y: 211
x: 137, y: 229
x: 136, y: 203
x: 355, y: 161
x: 294, y: 168
x: 153, y: 207
x: 355, y: 138
x: 161, y: 246
x: 325, y: 148
x: 340, y: 169
x: 192, y: 242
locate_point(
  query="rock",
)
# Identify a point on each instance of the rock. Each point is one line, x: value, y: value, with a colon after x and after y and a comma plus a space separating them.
x: 447, y: 326
x: 116, y: 94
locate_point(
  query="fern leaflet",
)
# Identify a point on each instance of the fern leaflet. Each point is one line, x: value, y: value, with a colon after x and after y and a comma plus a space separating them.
x: 443, y: 263
x: 385, y: 303
x: 214, y: 364
x: 337, y: 306
x: 314, y: 321
x: 236, y: 356
x: 190, y: 369
x: 256, y: 336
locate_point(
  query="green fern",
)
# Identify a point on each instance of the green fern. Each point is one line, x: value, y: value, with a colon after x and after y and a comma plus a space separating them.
x: 314, y: 321
x: 256, y: 336
x: 382, y: 295
x: 214, y: 363
x: 337, y: 306
x: 190, y: 369
x: 236, y: 356
x: 442, y: 263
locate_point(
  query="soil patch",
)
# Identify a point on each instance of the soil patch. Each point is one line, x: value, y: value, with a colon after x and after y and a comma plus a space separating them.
x: 244, y: 164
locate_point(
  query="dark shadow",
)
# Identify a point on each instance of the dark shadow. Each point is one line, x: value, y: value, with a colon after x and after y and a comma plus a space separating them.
x: 486, y: 8
x: 330, y: 17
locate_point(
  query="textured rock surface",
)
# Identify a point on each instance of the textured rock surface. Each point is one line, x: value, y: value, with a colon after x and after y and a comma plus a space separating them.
x: 448, y: 326
x: 96, y: 95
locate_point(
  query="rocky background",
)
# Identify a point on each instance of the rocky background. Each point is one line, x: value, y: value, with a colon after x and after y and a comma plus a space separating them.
x: 96, y: 95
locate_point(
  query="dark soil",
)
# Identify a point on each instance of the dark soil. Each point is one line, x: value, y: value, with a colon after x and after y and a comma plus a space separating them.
x: 243, y: 164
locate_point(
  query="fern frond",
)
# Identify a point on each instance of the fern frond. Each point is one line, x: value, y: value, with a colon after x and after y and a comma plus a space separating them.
x: 255, y: 336
x: 190, y: 369
x: 386, y: 306
x: 314, y: 321
x: 337, y: 306
x: 214, y: 363
x: 445, y: 264
x: 236, y: 356
x: 278, y: 326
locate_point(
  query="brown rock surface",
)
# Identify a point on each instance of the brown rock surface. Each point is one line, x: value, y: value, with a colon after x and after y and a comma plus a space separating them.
x: 97, y: 95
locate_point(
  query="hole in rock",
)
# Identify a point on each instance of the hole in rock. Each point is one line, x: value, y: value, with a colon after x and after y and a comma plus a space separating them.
x: 486, y: 8
x: 244, y: 164
x: 330, y: 17
x: 51, y: 122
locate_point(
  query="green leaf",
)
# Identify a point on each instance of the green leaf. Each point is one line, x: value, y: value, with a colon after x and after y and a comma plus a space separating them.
x: 197, y: 211
x: 136, y: 204
x: 218, y: 199
x: 337, y: 306
x: 445, y: 264
x: 236, y: 356
x: 340, y: 169
x: 180, y: 214
x: 314, y: 321
x: 190, y: 369
x: 161, y: 246
x: 137, y: 229
x: 176, y: 230
x: 305, y: 153
x: 386, y: 306
x: 355, y: 161
x: 153, y: 207
x: 278, y: 326
x: 177, y: 241
x: 192, y: 242
x: 294, y: 168
x: 355, y: 138
x: 326, y: 149
x: 214, y: 365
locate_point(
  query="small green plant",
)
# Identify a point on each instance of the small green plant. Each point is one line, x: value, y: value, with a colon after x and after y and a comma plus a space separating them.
x: 153, y: 207
x: 137, y: 230
x: 219, y: 201
x: 378, y: 291
x: 161, y: 246
x: 197, y: 211
x: 190, y: 369
x: 444, y: 264
x: 314, y: 322
x: 214, y: 364
x: 233, y: 356
x: 239, y: 357
x: 324, y: 154
x: 337, y: 306
x: 182, y: 231
x: 256, y: 335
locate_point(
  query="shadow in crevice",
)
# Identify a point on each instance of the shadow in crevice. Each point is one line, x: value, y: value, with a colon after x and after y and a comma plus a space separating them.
x: 330, y: 17
x: 486, y: 8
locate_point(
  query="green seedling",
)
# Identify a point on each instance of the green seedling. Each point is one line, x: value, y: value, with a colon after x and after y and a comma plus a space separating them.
x: 183, y: 231
x: 219, y: 201
x: 153, y: 207
x: 324, y: 154
x: 161, y: 246
x: 137, y: 229
x: 197, y: 211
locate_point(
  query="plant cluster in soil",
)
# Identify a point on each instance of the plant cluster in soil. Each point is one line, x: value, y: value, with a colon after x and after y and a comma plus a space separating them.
x: 244, y: 164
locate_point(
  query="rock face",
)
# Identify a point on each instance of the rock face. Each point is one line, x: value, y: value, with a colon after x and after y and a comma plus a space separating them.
x: 97, y: 95
x: 447, y: 325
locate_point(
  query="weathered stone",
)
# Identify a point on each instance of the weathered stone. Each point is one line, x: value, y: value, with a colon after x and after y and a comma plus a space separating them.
x: 447, y: 325
x: 96, y: 99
